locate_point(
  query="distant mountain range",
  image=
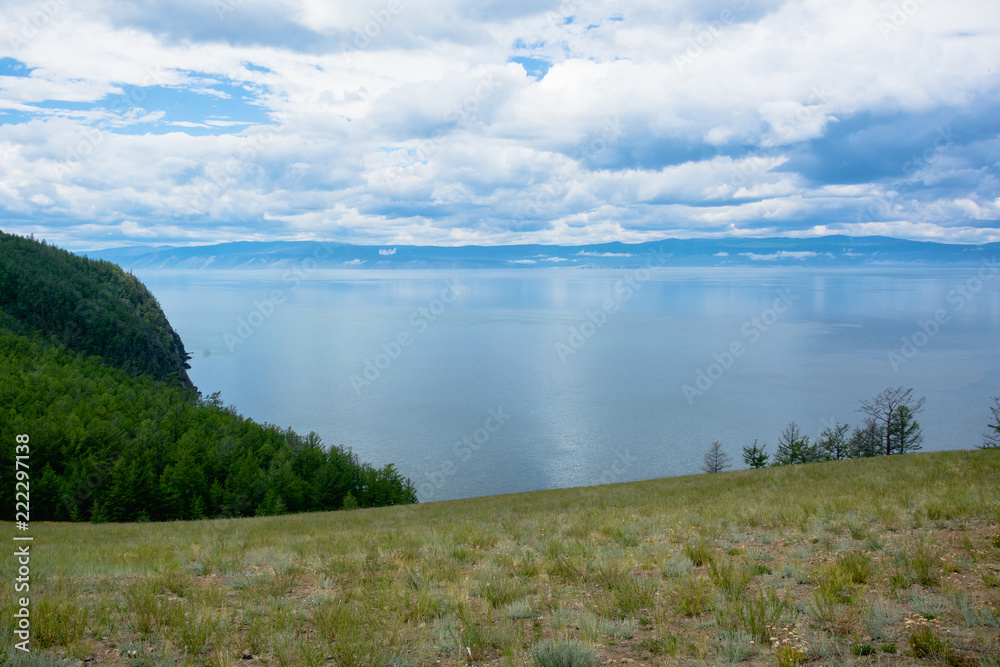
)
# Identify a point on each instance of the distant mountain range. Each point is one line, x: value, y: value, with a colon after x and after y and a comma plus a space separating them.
x: 813, y: 252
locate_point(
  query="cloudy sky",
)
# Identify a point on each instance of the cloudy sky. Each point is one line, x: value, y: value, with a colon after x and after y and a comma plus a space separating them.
x: 148, y: 122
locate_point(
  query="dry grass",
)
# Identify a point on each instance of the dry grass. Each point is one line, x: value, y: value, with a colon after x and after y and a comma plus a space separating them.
x: 838, y: 562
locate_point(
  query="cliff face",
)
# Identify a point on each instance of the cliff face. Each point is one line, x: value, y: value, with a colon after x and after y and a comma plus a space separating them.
x: 88, y: 306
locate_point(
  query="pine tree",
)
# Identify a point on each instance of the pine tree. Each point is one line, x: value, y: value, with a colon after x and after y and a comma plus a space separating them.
x: 793, y: 447
x: 866, y: 440
x: 350, y: 502
x: 754, y: 456
x: 906, y: 435
x: 197, y: 508
x: 833, y: 442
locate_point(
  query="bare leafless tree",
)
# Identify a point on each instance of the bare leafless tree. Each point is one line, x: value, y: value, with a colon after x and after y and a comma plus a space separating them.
x: 991, y: 439
x: 716, y: 460
x: 884, y: 409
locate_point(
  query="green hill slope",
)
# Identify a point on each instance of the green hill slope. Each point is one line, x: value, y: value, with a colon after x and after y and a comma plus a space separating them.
x: 87, y: 306
x: 701, y: 570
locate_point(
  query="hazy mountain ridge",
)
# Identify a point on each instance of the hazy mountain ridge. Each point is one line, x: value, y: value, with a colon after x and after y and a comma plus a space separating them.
x: 821, y: 251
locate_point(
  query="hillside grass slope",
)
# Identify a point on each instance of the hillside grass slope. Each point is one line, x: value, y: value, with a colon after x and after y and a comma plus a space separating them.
x: 894, y: 560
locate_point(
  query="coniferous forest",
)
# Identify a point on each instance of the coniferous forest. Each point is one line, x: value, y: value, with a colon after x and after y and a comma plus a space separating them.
x: 92, y: 371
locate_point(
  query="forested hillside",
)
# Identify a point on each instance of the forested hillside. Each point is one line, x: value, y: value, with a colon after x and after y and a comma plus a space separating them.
x: 87, y: 306
x: 130, y: 439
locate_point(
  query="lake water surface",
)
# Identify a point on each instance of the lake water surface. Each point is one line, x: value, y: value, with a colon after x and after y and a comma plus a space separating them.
x: 487, y: 382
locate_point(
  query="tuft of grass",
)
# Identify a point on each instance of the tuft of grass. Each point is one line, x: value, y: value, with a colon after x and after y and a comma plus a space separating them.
x: 526, y: 564
x: 877, y: 619
x: 789, y: 647
x: 623, y: 628
x: 352, y: 634
x: 925, y: 642
x: 834, y: 590
x: 563, y: 654
x: 667, y: 644
x: 500, y: 590
x: 678, y: 567
x: 519, y: 609
x: 425, y: 605
x: 196, y: 631
x: 565, y: 567
x: 735, y: 647
x: 632, y: 594
x: 873, y: 543
x: 857, y: 529
x: 700, y: 553
x: 692, y: 595
x: 918, y: 564
x: 477, y: 637
x: 928, y: 605
x: 58, y: 620
x: 863, y: 649
x: 757, y: 613
x: 730, y: 578
x: 856, y: 565
x: 972, y: 615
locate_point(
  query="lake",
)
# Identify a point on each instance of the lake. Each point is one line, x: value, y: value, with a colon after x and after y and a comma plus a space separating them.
x: 483, y: 382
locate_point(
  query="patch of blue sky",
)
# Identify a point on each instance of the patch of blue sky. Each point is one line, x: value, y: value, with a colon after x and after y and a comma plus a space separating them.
x: 13, y: 67
x: 521, y: 45
x: 43, y: 110
x: 258, y: 68
x: 14, y: 116
x: 216, y: 107
x: 535, y: 67
x: 63, y: 105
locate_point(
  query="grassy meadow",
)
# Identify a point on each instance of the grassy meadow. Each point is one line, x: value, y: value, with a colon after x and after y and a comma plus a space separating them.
x: 885, y: 561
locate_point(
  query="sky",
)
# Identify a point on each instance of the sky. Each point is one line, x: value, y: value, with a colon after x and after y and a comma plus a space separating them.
x: 453, y: 122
